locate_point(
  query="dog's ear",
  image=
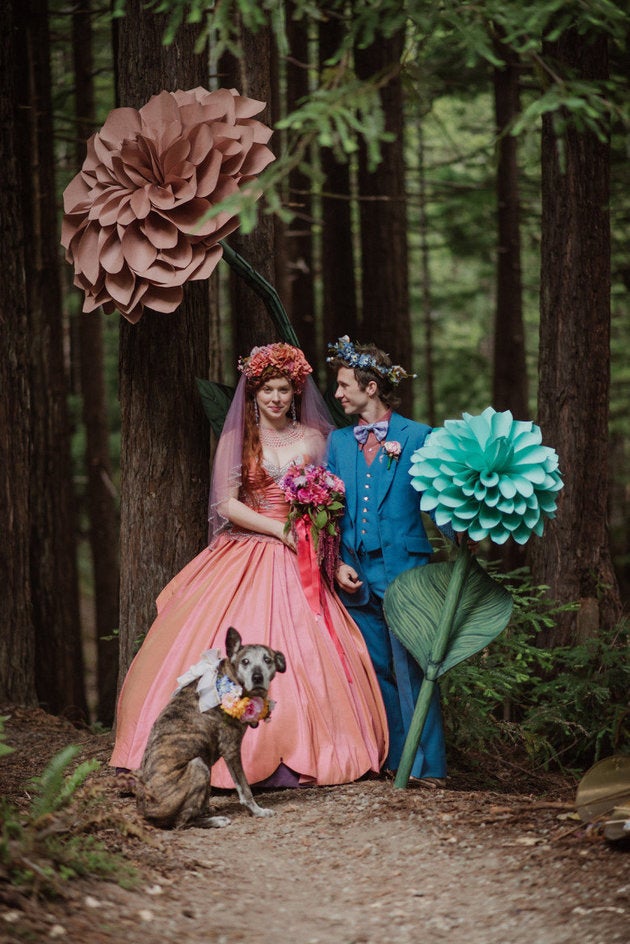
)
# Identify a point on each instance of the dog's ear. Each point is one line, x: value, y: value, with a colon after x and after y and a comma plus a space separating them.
x: 281, y: 662
x: 232, y: 642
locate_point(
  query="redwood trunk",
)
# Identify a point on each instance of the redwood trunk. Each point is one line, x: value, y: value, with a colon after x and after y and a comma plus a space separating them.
x: 17, y: 639
x: 103, y: 516
x: 54, y: 585
x: 339, y: 288
x: 251, y: 75
x: 573, y: 558
x: 509, y: 384
x: 298, y: 235
x: 509, y: 377
x: 385, y: 316
x: 164, y: 436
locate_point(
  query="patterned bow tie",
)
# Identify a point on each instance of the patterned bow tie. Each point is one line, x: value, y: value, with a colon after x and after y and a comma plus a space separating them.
x: 379, y: 429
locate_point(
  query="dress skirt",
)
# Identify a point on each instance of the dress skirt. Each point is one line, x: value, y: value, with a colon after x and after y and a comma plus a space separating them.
x: 328, y: 725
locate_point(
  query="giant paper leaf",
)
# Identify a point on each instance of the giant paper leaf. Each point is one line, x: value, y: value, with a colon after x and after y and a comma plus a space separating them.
x: 415, y: 605
x: 216, y: 399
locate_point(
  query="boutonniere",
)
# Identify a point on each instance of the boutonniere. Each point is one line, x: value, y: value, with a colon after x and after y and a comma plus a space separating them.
x: 392, y: 450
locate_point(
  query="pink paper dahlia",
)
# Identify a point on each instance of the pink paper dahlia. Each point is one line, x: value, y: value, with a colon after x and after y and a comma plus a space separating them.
x: 134, y: 217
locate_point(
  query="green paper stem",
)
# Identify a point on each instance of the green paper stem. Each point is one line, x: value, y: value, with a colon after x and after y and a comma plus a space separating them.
x: 461, y: 568
x: 264, y: 290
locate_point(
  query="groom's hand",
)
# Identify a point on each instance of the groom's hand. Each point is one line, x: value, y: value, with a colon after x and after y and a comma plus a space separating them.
x: 347, y: 578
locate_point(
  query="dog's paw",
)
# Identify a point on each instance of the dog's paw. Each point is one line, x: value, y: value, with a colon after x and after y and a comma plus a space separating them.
x: 261, y: 811
x: 212, y: 822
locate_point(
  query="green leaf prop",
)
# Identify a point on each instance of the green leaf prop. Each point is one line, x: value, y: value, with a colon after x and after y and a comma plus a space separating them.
x: 442, y: 613
x: 414, y: 604
x: 216, y: 399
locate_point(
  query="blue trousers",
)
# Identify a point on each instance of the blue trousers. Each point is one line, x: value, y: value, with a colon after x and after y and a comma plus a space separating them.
x: 399, y: 677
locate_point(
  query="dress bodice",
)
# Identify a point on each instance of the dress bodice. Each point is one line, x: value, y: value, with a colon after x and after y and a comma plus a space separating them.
x: 262, y: 489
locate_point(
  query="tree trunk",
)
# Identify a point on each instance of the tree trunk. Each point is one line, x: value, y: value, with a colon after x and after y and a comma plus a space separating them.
x: 58, y: 658
x: 509, y: 381
x: 298, y: 235
x: 251, y: 75
x: 103, y: 516
x: 573, y: 558
x: 509, y: 366
x: 428, y: 376
x: 385, y: 316
x: 17, y: 639
x: 339, y: 288
x: 164, y: 435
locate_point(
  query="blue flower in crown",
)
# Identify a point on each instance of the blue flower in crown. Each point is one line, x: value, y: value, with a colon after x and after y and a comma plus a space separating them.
x: 343, y: 349
x: 488, y: 475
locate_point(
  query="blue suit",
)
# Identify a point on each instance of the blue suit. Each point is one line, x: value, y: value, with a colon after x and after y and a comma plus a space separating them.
x: 382, y: 535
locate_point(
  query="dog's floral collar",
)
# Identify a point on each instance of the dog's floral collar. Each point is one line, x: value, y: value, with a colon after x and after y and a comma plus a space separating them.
x: 248, y: 709
x: 218, y: 690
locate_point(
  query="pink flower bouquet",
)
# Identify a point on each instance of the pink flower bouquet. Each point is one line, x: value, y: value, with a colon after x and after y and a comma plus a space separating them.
x: 317, y: 499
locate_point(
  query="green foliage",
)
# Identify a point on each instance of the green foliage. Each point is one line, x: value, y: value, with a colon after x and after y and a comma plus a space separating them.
x: 4, y: 748
x: 55, y: 787
x: 561, y: 707
x: 52, y: 842
x: 334, y: 114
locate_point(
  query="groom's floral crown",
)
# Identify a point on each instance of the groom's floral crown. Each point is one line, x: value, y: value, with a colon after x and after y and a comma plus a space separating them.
x: 276, y: 358
x: 343, y: 349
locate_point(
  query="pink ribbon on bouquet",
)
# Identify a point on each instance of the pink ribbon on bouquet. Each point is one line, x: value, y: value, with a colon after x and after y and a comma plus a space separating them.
x: 311, y: 577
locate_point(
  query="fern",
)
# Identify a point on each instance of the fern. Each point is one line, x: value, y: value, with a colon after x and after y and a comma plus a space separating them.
x: 51, y: 843
x: 55, y: 788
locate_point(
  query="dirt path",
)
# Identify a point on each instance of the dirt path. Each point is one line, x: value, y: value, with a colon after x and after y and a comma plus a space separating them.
x: 357, y: 864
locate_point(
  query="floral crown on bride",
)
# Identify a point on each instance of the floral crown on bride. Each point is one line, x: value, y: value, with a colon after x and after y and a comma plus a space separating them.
x: 276, y: 358
x: 345, y: 350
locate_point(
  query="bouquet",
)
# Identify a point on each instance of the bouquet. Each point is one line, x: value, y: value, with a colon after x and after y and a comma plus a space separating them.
x: 317, y: 500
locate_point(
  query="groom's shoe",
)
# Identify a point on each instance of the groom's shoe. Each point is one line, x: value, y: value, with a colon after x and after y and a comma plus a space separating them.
x: 428, y: 783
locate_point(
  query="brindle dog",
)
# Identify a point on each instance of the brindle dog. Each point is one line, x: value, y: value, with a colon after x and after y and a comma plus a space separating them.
x: 173, y: 785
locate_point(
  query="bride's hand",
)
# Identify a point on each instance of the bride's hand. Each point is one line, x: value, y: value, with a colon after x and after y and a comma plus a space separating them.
x: 287, y: 538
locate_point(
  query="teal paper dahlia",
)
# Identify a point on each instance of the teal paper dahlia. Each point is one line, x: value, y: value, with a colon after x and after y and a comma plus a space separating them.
x: 488, y: 475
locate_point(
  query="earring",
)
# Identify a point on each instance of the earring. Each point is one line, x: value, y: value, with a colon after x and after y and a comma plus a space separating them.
x: 293, y: 412
x: 256, y: 413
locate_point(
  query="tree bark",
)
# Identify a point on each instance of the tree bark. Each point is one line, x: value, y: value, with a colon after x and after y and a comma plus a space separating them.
x: 509, y: 364
x: 251, y: 75
x: 385, y: 318
x: 298, y: 234
x: 164, y: 435
x: 339, y: 287
x: 573, y: 558
x: 103, y: 515
x: 54, y: 585
x: 509, y: 379
x: 428, y: 377
x: 17, y: 639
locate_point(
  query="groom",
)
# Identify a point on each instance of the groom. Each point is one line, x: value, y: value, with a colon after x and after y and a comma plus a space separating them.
x: 382, y: 535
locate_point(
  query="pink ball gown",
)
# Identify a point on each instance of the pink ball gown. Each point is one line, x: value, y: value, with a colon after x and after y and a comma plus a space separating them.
x: 328, y: 725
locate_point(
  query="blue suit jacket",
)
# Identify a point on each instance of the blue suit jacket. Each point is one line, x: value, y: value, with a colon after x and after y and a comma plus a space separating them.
x: 403, y: 539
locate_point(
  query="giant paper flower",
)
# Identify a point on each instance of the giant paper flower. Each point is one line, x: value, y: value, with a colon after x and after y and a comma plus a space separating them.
x: 134, y: 217
x: 488, y: 475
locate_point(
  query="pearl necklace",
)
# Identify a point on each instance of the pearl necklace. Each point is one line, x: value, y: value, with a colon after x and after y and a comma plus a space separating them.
x: 276, y: 439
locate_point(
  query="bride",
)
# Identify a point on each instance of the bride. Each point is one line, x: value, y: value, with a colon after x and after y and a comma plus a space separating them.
x: 328, y: 725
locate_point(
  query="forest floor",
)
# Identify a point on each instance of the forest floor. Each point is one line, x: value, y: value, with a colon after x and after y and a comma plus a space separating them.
x: 498, y: 858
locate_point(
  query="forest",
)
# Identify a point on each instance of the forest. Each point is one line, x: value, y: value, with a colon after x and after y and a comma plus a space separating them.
x: 450, y: 180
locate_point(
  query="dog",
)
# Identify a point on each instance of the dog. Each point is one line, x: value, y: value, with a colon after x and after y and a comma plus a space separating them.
x: 187, y: 738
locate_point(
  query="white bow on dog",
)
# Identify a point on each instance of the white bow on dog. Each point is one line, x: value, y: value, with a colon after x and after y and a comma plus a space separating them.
x: 206, y: 671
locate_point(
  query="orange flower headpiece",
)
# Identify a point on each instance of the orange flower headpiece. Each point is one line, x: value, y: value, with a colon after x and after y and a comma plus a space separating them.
x: 277, y: 358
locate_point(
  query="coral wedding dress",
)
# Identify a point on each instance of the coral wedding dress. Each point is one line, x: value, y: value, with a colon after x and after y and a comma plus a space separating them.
x: 329, y: 724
